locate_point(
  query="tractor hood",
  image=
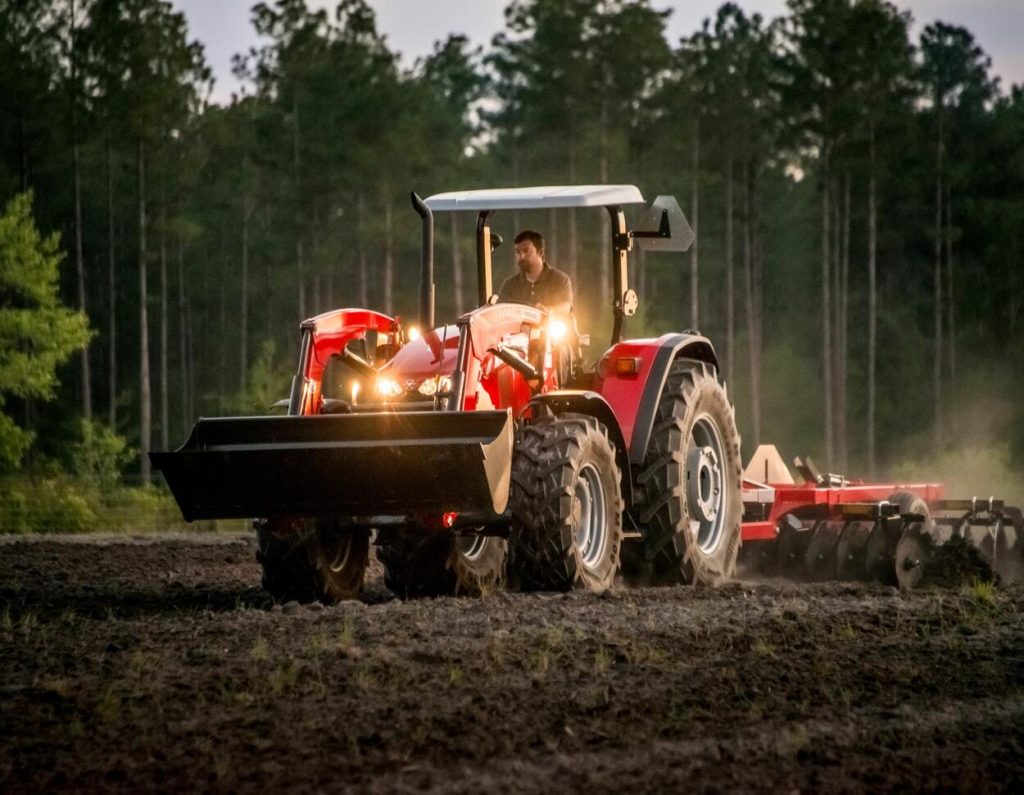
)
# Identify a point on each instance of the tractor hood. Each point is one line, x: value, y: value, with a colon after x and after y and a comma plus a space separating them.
x: 431, y: 355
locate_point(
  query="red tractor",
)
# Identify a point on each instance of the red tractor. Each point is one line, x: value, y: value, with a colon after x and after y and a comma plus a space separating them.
x: 487, y: 450
x: 484, y: 448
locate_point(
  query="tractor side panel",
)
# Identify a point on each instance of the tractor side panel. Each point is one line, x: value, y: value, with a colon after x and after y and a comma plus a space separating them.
x: 634, y: 396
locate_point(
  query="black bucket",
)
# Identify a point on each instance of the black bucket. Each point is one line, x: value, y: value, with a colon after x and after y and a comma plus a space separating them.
x: 350, y: 465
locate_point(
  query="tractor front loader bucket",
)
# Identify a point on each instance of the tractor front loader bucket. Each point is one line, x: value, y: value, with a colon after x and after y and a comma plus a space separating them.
x: 350, y: 465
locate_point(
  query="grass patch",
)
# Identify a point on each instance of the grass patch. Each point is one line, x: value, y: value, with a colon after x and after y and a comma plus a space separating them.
x: 984, y: 593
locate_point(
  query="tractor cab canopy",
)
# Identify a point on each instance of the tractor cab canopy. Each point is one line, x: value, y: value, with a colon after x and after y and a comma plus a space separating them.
x: 661, y: 226
x: 539, y: 198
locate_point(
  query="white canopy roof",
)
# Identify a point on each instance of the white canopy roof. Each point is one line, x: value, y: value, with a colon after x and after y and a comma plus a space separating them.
x: 539, y: 198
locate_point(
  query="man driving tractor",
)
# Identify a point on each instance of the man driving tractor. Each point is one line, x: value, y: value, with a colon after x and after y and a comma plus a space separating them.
x: 537, y: 283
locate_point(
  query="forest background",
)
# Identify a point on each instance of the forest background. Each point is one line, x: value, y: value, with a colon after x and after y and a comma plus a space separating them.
x: 858, y: 197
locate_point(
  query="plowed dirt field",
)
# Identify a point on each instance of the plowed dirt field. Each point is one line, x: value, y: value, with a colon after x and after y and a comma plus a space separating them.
x: 157, y: 664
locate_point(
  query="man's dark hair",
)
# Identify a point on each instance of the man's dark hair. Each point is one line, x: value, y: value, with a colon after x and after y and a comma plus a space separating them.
x: 534, y: 237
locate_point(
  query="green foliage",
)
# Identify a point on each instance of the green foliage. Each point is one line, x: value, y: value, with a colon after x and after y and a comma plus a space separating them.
x: 100, y: 456
x: 266, y: 383
x: 14, y: 442
x: 75, y: 504
x: 37, y: 333
x: 54, y: 505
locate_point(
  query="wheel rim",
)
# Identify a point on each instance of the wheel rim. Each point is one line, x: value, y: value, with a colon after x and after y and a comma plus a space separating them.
x: 591, y: 536
x: 705, y: 484
x: 471, y: 547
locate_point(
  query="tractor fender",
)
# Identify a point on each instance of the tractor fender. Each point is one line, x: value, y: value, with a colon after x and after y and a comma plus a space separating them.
x: 592, y: 404
x: 636, y: 397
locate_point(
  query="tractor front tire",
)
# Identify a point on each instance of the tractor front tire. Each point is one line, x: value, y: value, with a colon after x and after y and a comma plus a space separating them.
x: 689, y: 488
x: 418, y: 565
x: 566, y: 504
x: 312, y: 560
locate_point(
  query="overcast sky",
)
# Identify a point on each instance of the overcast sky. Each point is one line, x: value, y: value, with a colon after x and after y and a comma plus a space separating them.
x: 412, y: 26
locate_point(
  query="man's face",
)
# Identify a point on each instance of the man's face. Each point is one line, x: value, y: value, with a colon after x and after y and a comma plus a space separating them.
x: 528, y: 258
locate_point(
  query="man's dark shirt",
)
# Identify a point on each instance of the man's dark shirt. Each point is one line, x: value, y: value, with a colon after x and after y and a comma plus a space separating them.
x: 552, y: 287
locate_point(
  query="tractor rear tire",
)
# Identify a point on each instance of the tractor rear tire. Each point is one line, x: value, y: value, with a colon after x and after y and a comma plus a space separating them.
x: 417, y: 564
x: 312, y: 560
x: 566, y: 505
x: 689, y: 488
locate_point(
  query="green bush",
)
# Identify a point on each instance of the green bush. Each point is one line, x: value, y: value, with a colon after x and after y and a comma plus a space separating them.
x: 100, y: 456
x: 75, y: 504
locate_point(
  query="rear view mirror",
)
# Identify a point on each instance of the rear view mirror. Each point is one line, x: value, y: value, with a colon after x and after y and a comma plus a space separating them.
x: 663, y: 227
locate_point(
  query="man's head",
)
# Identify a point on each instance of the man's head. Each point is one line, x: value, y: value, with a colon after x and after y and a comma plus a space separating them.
x: 530, y: 252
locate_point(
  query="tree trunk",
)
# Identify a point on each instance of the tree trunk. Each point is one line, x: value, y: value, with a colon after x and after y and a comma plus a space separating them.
x: 243, y: 347
x: 23, y: 154
x: 836, y: 266
x: 826, y: 310
x: 364, y: 299
x: 937, y: 430
x: 79, y: 257
x: 730, y: 298
x: 753, y: 344
x: 604, y: 272
x: 950, y: 300
x: 111, y: 294
x: 573, y: 231
x: 184, y: 335
x: 517, y: 180
x: 842, y: 330
x: 551, y: 238
x: 757, y: 269
x: 222, y: 337
x: 695, y: 223
x: 80, y: 272
x: 389, y: 258
x: 872, y: 306
x: 297, y: 180
x: 164, y: 403
x: 456, y: 263
x: 145, y: 400
x: 300, y: 266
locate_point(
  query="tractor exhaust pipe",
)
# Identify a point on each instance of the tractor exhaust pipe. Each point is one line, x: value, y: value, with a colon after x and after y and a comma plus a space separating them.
x: 426, y: 263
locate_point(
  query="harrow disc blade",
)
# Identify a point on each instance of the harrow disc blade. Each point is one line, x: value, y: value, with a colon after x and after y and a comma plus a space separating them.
x: 914, y: 553
x: 1009, y: 558
x: 820, y: 557
x: 984, y: 538
x: 792, y: 549
x: 879, y: 554
x: 931, y: 555
x: 851, y: 551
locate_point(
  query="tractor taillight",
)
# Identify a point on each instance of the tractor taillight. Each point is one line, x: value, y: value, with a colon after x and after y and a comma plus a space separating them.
x: 627, y: 365
x: 448, y: 520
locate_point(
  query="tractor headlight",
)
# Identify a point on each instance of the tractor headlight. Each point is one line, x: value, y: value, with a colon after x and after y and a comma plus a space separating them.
x: 387, y: 387
x: 557, y: 329
x: 433, y: 386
